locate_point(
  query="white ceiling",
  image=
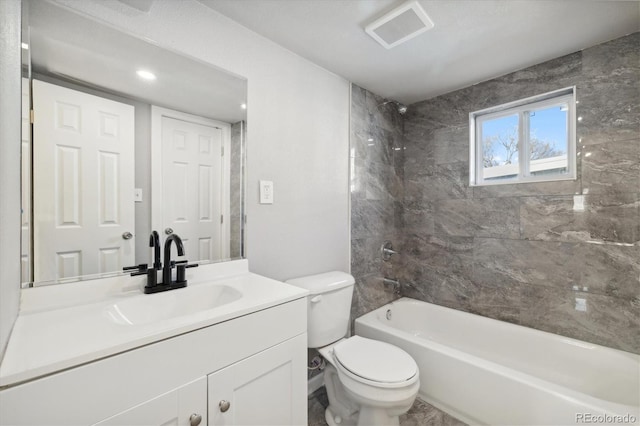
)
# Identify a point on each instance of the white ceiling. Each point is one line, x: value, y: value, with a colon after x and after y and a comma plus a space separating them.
x: 472, y: 41
x: 107, y: 59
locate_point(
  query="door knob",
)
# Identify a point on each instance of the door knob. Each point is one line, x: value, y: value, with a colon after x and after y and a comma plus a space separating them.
x: 224, y: 405
x: 195, y: 419
x: 127, y: 235
x: 168, y: 231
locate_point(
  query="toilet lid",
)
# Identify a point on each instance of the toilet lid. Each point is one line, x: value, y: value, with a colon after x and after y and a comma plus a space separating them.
x: 374, y: 360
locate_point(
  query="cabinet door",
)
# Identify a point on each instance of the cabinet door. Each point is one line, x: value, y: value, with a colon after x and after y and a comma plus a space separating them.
x: 173, y: 408
x: 268, y: 388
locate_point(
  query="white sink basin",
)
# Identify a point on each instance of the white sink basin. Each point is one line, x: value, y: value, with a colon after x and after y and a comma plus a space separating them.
x: 152, y: 308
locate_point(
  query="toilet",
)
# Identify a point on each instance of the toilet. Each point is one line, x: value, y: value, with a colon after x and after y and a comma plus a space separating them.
x: 368, y: 382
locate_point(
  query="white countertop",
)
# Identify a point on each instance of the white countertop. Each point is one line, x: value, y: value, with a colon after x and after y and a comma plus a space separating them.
x: 67, y: 325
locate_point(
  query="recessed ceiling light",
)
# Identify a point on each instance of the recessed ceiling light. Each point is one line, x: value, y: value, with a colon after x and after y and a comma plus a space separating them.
x: 243, y: 106
x: 146, y: 75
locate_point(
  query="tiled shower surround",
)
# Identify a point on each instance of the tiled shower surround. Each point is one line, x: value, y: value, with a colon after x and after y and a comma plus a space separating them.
x: 522, y: 253
x: 376, y: 157
x: 236, y: 190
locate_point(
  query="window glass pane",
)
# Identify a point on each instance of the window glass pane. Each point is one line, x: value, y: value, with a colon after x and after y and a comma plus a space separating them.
x: 548, y: 141
x: 500, y: 148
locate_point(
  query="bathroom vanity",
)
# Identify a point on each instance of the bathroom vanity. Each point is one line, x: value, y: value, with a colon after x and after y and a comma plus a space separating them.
x: 228, y: 349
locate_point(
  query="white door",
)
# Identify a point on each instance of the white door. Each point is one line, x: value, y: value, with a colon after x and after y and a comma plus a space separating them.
x: 192, y: 186
x: 268, y: 388
x: 83, y: 172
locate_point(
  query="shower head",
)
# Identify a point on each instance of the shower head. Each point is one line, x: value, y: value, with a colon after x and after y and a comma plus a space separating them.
x: 401, y: 108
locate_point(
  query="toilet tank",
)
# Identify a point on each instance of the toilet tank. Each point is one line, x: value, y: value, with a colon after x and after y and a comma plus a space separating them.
x: 328, y: 306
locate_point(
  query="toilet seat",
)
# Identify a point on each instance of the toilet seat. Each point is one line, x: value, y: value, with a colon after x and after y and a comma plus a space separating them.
x: 376, y: 363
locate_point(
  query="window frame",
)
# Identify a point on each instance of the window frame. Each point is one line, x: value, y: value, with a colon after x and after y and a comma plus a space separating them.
x: 520, y: 108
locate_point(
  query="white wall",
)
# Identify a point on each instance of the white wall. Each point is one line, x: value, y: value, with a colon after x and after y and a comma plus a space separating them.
x: 298, y: 132
x: 10, y: 123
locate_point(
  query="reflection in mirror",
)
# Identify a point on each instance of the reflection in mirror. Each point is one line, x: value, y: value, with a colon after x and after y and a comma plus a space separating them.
x: 126, y: 137
x: 25, y: 154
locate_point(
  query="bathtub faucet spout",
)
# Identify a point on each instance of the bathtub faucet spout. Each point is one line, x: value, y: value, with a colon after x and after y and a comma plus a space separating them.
x: 392, y: 283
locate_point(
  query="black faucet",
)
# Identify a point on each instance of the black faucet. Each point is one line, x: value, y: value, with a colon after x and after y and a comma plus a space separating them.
x: 153, y: 286
x: 168, y: 264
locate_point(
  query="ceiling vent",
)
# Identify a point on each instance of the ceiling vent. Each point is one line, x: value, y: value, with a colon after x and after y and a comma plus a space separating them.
x: 399, y: 25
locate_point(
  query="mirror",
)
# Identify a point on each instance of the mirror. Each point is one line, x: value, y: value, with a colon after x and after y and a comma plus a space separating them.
x: 126, y: 137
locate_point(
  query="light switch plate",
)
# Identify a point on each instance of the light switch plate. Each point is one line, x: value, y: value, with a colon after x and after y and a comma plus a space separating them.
x: 137, y: 195
x: 266, y: 192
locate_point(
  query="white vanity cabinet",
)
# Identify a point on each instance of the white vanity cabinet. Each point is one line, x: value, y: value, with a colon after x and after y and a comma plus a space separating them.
x: 255, y: 361
x: 185, y: 406
x: 260, y: 390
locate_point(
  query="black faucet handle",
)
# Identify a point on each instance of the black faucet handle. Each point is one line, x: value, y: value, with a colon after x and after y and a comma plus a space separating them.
x: 154, y: 241
x: 181, y: 277
x: 182, y: 265
x: 152, y: 279
x: 138, y: 269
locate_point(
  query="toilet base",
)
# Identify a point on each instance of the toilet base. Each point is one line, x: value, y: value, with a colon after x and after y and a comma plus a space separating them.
x: 330, y: 418
x: 376, y: 416
x: 365, y: 418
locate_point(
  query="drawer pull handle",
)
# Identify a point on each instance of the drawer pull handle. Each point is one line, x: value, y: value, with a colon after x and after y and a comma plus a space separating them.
x: 224, y: 405
x: 195, y: 419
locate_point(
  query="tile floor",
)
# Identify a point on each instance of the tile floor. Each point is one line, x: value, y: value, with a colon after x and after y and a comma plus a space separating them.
x: 421, y: 414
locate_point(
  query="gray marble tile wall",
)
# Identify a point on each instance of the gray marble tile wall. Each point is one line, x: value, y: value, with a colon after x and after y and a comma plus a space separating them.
x: 376, y: 155
x: 521, y: 253
x: 237, y: 173
x: 518, y: 253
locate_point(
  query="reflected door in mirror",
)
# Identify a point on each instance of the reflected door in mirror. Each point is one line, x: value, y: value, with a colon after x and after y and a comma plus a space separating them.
x: 83, y: 183
x: 193, y: 185
x: 25, y: 226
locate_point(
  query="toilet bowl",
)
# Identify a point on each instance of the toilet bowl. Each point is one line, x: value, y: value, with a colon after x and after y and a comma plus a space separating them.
x: 380, y: 381
x: 368, y: 382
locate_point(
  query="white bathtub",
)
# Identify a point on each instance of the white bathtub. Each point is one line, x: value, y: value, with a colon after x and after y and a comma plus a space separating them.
x: 484, y: 371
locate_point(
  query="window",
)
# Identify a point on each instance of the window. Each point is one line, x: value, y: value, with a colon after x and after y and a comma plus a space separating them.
x: 530, y: 140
